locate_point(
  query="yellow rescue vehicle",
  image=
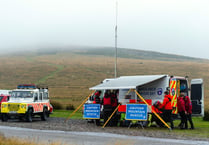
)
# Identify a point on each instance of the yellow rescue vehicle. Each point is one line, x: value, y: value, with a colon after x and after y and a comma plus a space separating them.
x: 27, y: 101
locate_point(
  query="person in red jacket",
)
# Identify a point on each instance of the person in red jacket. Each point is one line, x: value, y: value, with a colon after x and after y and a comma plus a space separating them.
x: 97, y: 99
x: 182, y: 110
x: 155, y: 108
x: 114, y: 103
x: 188, y: 107
x: 107, y: 105
x: 167, y: 108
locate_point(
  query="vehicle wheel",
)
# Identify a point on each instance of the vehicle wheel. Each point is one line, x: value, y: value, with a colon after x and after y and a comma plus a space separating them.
x: 4, y: 117
x: 44, y: 115
x: 29, y: 115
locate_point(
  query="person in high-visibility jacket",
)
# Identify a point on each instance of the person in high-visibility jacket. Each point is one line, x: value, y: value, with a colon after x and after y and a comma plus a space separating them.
x: 167, y: 108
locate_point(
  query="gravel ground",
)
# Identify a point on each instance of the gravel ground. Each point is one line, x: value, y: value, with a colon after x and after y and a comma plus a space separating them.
x: 82, y: 125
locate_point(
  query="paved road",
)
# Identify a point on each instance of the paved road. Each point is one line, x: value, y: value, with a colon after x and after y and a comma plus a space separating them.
x: 89, y: 138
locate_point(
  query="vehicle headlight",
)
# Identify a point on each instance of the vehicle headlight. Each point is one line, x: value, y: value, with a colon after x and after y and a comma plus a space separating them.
x: 4, y: 105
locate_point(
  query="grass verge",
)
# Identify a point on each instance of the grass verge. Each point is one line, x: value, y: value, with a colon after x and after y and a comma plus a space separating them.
x: 201, y: 127
x: 66, y: 113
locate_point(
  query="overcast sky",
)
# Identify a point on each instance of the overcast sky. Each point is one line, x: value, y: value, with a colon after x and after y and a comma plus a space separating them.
x: 170, y: 26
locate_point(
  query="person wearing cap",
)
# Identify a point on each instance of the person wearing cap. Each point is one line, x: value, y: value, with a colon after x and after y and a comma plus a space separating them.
x: 167, y: 108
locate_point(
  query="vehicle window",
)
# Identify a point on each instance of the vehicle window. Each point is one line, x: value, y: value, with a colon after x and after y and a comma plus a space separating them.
x: 46, y: 95
x: 22, y: 94
x: 8, y: 98
x: 183, y: 86
x: 35, y: 97
x: 1, y: 97
x: 41, y: 96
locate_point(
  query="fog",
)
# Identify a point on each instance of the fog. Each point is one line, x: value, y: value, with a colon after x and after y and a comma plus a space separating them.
x: 178, y: 27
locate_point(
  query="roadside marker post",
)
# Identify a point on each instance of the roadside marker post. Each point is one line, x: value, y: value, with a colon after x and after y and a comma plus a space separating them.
x: 79, y: 106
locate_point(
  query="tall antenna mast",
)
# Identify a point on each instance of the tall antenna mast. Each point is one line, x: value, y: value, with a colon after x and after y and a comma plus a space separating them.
x: 116, y: 30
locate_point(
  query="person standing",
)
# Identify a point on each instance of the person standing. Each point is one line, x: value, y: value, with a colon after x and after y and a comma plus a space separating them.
x: 182, y: 111
x: 97, y: 99
x: 167, y: 109
x: 107, y: 105
x: 114, y: 103
x: 188, y: 107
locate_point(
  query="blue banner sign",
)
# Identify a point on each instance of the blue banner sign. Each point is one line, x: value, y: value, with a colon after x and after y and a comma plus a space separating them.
x: 91, y: 111
x: 136, y: 112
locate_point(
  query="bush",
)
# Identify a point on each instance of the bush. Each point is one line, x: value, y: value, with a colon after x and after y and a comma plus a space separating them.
x: 56, y: 105
x: 206, y: 116
x: 70, y: 107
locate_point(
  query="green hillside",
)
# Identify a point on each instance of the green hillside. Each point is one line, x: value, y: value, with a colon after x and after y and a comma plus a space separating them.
x: 70, y: 73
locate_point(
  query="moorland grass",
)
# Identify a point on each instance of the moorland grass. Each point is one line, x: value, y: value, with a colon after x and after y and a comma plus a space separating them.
x: 69, y: 76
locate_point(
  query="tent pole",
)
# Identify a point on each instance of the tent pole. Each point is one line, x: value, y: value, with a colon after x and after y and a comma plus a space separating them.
x: 153, y: 110
x: 79, y: 106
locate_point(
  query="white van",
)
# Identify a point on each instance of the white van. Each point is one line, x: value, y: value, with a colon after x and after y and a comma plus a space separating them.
x: 151, y: 88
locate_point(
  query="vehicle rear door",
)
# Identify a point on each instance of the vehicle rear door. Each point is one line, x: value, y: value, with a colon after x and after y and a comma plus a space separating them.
x: 197, y: 97
x: 173, y: 92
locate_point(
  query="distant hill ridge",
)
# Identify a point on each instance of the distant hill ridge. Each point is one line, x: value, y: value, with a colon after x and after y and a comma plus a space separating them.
x: 110, y: 51
x: 136, y: 54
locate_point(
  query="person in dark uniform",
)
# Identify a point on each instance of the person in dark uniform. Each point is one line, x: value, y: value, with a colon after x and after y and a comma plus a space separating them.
x: 167, y: 108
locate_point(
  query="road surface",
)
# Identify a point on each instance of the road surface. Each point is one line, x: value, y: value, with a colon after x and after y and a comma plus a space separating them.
x: 89, y: 138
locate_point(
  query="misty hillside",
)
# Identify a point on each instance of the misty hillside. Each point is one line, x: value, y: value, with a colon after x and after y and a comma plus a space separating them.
x: 136, y: 54
x: 110, y: 51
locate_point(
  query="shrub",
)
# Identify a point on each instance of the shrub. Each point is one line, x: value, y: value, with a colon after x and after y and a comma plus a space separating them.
x: 70, y: 107
x: 206, y: 116
x: 56, y: 105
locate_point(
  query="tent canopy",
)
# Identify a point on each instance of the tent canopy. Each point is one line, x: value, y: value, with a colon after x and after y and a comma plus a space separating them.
x: 127, y: 82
